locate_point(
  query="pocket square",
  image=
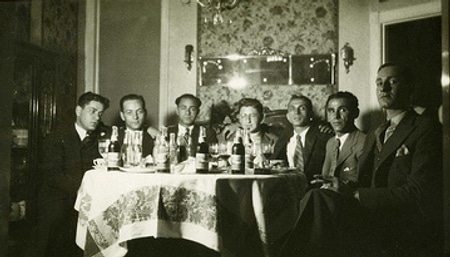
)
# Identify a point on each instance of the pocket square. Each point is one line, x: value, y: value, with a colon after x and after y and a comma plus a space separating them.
x: 402, y: 151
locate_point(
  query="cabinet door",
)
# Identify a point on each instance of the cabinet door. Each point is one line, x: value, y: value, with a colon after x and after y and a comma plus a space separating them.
x: 34, y: 109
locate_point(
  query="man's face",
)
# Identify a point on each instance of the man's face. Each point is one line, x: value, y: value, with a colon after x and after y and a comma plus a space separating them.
x: 249, y: 118
x: 133, y: 114
x: 298, y: 113
x: 392, y: 90
x: 89, y: 116
x: 340, y: 115
x: 187, y: 111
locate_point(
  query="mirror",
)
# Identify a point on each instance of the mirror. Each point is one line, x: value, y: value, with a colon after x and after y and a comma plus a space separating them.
x: 267, y: 70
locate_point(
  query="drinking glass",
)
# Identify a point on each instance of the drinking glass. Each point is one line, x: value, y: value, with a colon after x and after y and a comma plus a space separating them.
x: 225, y: 151
x: 214, y: 150
x: 267, y: 151
x: 103, y: 147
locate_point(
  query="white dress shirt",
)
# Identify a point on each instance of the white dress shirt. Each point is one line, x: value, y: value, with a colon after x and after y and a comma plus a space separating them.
x: 81, y: 131
x: 292, y: 144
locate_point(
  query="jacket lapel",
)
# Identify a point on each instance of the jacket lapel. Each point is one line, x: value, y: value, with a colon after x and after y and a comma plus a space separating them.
x: 403, y: 129
x: 310, y: 140
x: 347, y: 148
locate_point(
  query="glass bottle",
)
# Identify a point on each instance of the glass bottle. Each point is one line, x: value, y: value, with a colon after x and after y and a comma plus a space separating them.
x: 113, y: 155
x: 162, y: 153
x: 125, y: 149
x: 249, y: 152
x: 173, y: 152
x: 237, y: 158
x: 201, y: 157
x: 137, y: 148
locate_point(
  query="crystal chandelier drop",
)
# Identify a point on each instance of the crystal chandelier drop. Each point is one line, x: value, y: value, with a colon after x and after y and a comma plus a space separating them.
x: 216, y: 7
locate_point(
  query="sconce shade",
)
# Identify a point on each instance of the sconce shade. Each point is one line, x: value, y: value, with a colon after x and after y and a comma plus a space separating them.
x: 347, y: 55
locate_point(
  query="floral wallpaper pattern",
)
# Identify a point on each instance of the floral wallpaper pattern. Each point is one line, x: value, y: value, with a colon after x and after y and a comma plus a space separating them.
x: 291, y: 26
x: 59, y: 34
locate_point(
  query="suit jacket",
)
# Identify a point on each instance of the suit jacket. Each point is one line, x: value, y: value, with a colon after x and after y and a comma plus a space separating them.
x: 347, y: 164
x: 401, y: 183
x: 147, y: 141
x: 66, y: 158
x: 210, y: 136
x: 313, y: 151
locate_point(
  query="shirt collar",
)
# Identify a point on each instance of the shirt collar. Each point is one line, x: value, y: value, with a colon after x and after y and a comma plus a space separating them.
x: 342, y: 139
x: 394, y: 121
x: 81, y: 131
x: 182, y: 129
x: 303, y: 133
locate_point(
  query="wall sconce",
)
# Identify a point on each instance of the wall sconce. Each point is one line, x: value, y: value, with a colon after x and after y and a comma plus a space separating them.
x: 188, y: 49
x: 347, y: 56
x: 216, y: 7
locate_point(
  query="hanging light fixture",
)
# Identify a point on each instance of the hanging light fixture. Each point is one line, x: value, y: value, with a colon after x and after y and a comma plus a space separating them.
x: 216, y: 7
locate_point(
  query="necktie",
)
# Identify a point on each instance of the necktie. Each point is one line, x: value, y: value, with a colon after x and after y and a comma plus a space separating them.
x: 186, y: 137
x: 298, y: 155
x: 389, y: 131
x: 380, y: 135
x: 335, y: 156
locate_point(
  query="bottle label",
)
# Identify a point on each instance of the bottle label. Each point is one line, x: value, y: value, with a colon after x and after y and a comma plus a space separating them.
x: 237, y: 162
x: 201, y: 163
x: 113, y: 159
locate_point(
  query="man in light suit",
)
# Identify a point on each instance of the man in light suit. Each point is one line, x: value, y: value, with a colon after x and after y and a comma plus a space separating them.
x: 344, y: 150
x: 251, y: 116
x: 313, y: 140
x: 396, y: 208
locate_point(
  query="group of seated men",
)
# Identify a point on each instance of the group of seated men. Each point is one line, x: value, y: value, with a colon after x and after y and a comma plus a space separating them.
x: 374, y: 195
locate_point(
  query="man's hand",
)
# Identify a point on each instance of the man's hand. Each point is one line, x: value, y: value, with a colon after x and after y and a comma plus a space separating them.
x: 330, y: 183
x: 326, y: 129
x: 153, y: 132
x: 229, y: 130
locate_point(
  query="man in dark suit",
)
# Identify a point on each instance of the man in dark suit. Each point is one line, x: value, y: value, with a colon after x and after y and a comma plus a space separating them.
x: 133, y: 113
x: 344, y: 150
x: 188, y: 107
x: 396, y: 209
x: 304, y: 134
x: 68, y: 154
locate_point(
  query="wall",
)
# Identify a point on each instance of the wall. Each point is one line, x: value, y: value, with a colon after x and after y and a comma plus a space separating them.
x: 354, y: 28
x: 294, y: 27
x: 129, y: 54
x: 178, y: 29
x: 360, y: 24
x: 59, y: 34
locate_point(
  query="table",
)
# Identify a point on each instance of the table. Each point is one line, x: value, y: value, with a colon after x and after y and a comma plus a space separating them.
x: 210, y: 209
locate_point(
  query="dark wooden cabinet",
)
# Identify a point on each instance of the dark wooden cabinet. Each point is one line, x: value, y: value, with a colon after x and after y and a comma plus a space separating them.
x: 35, y: 78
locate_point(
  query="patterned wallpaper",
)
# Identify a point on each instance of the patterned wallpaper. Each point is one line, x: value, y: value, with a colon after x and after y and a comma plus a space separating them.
x: 59, y: 34
x: 292, y: 26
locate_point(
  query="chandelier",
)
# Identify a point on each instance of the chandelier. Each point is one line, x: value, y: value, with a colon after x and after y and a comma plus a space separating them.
x: 216, y: 7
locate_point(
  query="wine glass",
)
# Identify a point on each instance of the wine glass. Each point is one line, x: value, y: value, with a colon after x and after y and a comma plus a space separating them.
x: 214, y: 151
x: 225, y: 151
x: 267, y: 151
x: 103, y: 147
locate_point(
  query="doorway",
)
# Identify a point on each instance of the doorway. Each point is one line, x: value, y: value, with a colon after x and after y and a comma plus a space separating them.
x: 417, y: 44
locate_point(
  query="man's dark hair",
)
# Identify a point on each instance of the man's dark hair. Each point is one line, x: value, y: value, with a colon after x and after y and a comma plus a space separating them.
x: 252, y: 102
x: 404, y: 70
x: 304, y: 98
x: 132, y: 97
x: 193, y: 97
x: 88, y: 97
x: 351, y: 98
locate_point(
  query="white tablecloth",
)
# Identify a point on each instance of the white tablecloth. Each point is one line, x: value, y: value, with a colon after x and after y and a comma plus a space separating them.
x: 116, y: 206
